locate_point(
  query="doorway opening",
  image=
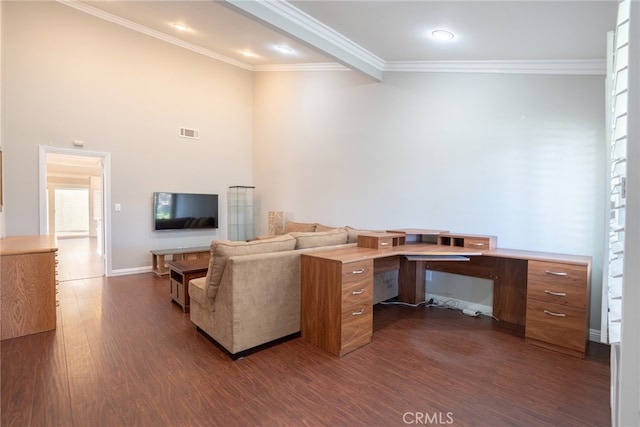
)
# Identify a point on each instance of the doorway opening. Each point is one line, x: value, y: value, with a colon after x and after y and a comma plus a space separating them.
x: 72, y: 208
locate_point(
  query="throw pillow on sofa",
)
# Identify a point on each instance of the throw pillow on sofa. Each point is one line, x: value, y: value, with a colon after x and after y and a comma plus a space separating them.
x: 305, y: 240
x: 320, y: 227
x: 291, y: 226
x: 221, y: 250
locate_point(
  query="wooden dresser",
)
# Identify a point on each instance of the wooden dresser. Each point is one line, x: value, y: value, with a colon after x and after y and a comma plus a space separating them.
x: 27, y: 285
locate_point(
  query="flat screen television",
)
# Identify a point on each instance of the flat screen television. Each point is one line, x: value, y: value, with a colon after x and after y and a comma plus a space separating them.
x: 180, y: 211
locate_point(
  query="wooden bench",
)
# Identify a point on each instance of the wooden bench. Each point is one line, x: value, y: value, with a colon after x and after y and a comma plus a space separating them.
x: 177, y: 254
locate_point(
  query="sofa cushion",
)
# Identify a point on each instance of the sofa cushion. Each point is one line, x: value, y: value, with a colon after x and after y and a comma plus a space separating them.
x: 305, y: 240
x: 354, y: 232
x: 221, y: 250
x: 291, y: 226
x: 320, y: 227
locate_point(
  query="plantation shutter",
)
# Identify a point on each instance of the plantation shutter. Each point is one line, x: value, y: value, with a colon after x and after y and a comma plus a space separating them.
x: 618, y: 92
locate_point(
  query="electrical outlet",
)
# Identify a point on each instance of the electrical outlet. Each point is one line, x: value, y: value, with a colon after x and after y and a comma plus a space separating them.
x: 429, y: 276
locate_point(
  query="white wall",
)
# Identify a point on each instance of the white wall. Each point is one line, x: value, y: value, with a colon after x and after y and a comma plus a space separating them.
x: 517, y: 156
x: 69, y: 76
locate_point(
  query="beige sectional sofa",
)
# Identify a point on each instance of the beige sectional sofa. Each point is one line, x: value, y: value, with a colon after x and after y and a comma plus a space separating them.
x: 251, y: 294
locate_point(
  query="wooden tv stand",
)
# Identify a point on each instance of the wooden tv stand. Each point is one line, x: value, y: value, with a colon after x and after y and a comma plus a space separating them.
x: 542, y: 296
x: 177, y: 254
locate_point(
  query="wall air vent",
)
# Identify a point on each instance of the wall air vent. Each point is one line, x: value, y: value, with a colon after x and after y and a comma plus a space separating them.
x: 189, y: 133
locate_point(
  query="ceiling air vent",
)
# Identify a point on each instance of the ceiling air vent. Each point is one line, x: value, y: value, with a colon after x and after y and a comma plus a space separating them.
x: 190, y: 133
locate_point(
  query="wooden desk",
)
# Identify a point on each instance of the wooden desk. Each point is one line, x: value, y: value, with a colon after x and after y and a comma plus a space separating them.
x: 181, y: 272
x: 542, y: 296
x: 337, y: 291
x: 27, y: 285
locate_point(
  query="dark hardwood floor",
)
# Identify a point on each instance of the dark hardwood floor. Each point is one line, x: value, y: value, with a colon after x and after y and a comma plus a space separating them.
x: 123, y: 355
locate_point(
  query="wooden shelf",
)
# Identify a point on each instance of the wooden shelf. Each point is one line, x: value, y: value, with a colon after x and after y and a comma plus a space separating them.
x: 419, y: 235
x: 470, y: 241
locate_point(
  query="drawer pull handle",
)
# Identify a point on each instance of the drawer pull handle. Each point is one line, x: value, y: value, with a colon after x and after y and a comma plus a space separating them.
x: 558, y: 294
x: 476, y: 244
x: 551, y: 313
x: 358, y: 313
x: 360, y: 292
x: 555, y: 273
x: 362, y: 270
x: 384, y: 244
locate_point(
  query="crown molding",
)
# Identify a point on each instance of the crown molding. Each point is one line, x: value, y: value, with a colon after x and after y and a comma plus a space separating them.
x: 569, y: 67
x: 152, y: 33
x: 287, y: 19
x: 557, y: 67
x: 325, y: 66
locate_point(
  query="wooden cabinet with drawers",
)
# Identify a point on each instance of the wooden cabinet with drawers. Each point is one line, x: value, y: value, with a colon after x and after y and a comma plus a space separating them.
x: 27, y: 285
x: 380, y: 240
x: 558, y: 306
x: 336, y: 303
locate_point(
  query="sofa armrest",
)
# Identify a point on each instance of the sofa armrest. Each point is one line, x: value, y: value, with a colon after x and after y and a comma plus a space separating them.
x: 198, y: 292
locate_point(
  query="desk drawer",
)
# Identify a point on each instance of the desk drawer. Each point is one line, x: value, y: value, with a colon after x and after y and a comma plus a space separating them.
x: 556, y: 324
x: 574, y: 296
x: 360, y: 292
x: 385, y: 242
x: 357, y: 327
x: 555, y: 273
x: 477, y: 243
x: 355, y: 272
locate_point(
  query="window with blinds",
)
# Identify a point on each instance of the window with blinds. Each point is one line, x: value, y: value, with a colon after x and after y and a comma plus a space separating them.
x: 618, y: 84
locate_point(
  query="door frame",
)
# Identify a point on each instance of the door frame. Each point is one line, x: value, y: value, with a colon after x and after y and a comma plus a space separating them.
x: 106, y: 195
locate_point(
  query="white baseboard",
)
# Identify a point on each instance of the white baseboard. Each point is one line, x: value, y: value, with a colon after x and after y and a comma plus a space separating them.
x: 128, y: 271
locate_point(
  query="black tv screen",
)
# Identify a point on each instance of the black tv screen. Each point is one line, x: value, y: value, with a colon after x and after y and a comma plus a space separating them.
x: 180, y: 211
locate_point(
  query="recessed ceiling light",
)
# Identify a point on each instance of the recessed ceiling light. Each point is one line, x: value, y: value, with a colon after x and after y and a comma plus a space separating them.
x: 284, y: 49
x: 248, y: 53
x: 442, y: 35
x: 181, y: 27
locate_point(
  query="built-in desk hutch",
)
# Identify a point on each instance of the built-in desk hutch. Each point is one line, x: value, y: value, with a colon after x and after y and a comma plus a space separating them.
x: 543, y: 297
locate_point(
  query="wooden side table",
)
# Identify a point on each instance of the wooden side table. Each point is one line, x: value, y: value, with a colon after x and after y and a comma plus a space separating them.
x: 180, y: 273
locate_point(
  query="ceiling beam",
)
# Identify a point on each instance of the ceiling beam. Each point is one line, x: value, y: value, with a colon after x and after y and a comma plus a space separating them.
x: 291, y: 21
